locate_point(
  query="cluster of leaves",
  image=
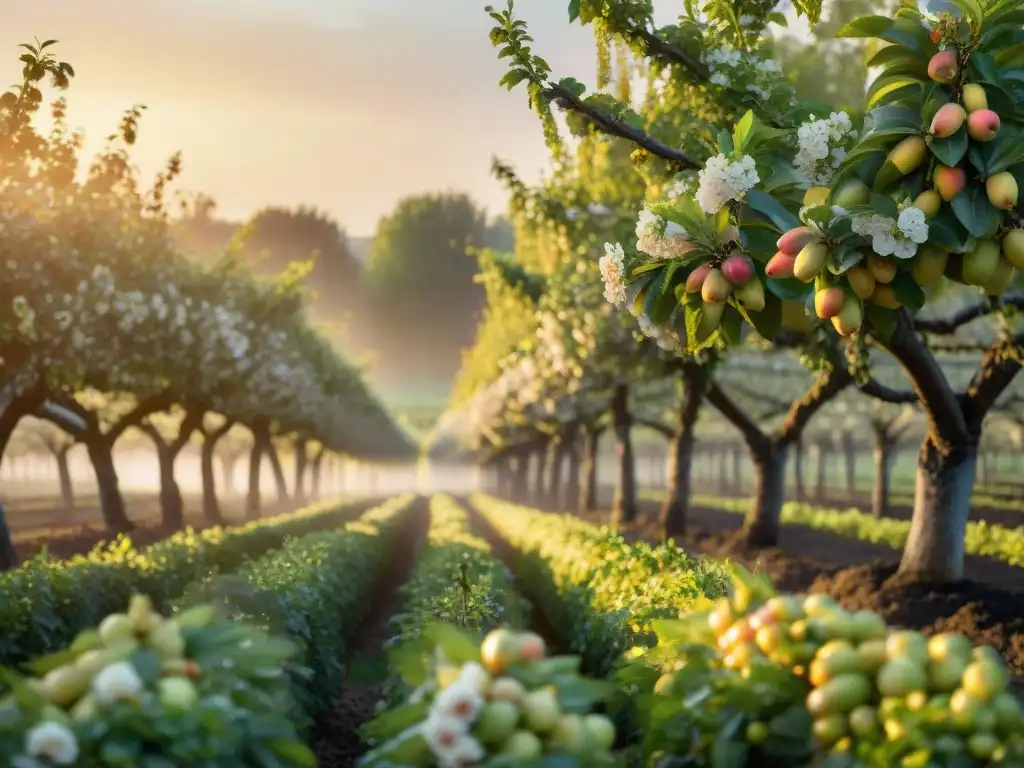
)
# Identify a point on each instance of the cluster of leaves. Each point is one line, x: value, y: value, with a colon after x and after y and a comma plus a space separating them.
x: 600, y: 591
x: 315, y: 590
x: 44, y: 604
x: 97, y: 296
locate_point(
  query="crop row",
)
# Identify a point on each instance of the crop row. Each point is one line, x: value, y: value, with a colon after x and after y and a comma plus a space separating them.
x: 316, y: 590
x: 457, y: 579
x: 43, y: 605
x: 599, y: 591
x: 982, y: 538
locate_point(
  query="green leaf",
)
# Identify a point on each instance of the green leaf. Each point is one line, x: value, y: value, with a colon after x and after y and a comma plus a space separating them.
x: 887, y: 175
x: 782, y: 176
x: 513, y: 78
x: 951, y: 150
x: 885, y: 206
x: 732, y: 323
x: 767, y: 322
x: 866, y: 26
x: 456, y: 645
x: 1008, y: 151
x: 393, y: 722
x: 659, y: 301
x: 908, y: 291
x: 945, y: 231
x: 789, y: 289
x: 693, y: 311
x: 742, y: 131
x: 580, y: 694
x: 574, y: 10
x: 881, y: 320
x: 647, y: 268
x: 295, y: 752
x: 776, y: 18
x: 972, y: 9
x: 894, y: 116
x: 985, y: 68
x: 147, y: 664
x: 794, y: 723
x: 972, y: 208
x: 768, y: 206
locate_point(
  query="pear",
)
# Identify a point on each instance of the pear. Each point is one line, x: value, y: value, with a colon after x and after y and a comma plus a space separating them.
x: 1013, y: 247
x: 1002, y: 190
x: 974, y: 97
x: 861, y: 281
x: 981, y: 263
x: 943, y: 67
x: 929, y: 266
x: 810, y: 261
x: 908, y: 155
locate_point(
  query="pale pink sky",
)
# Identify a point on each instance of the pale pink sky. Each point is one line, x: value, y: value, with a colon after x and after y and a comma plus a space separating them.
x: 307, y: 101
x: 344, y: 104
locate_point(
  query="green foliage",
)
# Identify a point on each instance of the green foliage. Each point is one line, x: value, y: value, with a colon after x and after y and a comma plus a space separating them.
x: 315, y: 591
x: 457, y: 580
x: 597, y: 589
x: 43, y: 605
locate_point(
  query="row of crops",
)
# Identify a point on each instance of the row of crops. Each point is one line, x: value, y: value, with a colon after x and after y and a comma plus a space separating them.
x: 671, y: 657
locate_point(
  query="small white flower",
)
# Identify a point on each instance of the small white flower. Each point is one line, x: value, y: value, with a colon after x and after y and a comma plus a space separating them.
x: 912, y: 224
x: 52, y: 743
x: 720, y: 79
x: 468, y: 751
x: 460, y: 701
x: 722, y: 180
x: 117, y: 682
x: 443, y: 735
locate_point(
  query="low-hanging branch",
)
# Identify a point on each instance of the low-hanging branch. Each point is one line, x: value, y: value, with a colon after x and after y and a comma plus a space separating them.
x: 887, y: 394
x: 1002, y: 362
x: 616, y: 126
x: 946, y: 326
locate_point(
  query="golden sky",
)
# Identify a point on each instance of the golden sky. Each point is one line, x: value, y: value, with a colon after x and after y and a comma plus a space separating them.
x: 344, y: 104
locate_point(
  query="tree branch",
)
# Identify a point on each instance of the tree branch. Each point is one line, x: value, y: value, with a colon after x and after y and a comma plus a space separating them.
x: 946, y: 421
x: 949, y: 325
x: 1002, y: 362
x: 615, y: 126
x: 660, y: 48
x: 826, y: 386
x: 160, y: 402
x: 887, y: 394
x: 656, y: 425
x: 752, y: 433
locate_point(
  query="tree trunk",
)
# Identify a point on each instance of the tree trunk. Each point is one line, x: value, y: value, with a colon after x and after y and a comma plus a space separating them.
x: 883, y: 471
x: 821, y: 481
x: 722, y: 473
x: 252, y: 501
x: 850, y: 461
x: 591, y: 441
x: 624, y: 502
x: 942, y: 502
x: 101, y: 454
x: 540, y: 462
x: 275, y: 464
x: 317, y: 474
x: 558, y: 458
x: 8, y: 556
x: 521, y: 477
x: 227, y: 466
x: 572, y: 481
x: 798, y: 471
x: 301, y: 461
x: 211, y: 507
x: 737, y: 469
x: 13, y: 410
x: 761, y: 526
x: 985, y: 467
x: 673, y: 514
x: 67, y: 489
x: 172, y: 508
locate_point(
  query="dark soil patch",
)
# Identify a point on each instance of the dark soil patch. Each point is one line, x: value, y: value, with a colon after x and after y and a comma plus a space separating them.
x: 336, y: 736
x: 988, y: 606
x: 507, y: 554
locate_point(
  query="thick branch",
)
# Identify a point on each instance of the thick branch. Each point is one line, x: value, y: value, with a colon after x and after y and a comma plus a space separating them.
x: 615, y: 126
x: 887, y: 394
x: 828, y: 384
x: 1000, y: 365
x: 656, y: 425
x: 142, y: 409
x: 948, y: 325
x: 662, y: 49
x: 752, y: 433
x: 946, y: 421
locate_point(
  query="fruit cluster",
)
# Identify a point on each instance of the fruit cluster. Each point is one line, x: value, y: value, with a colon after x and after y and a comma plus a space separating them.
x: 873, y: 691
x: 860, y: 241
x: 509, y: 706
x: 735, y: 276
x: 125, y: 692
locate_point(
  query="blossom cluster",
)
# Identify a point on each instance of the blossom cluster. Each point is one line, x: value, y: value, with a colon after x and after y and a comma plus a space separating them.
x: 722, y: 180
x: 898, y: 238
x: 612, y: 266
x: 822, y: 146
x: 659, y: 237
x: 452, y: 713
x: 740, y: 70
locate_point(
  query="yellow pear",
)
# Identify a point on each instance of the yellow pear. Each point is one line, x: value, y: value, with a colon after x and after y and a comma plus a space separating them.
x: 981, y: 263
x: 861, y: 281
x: 885, y: 296
x: 1013, y: 247
x: 1000, y: 279
x: 883, y: 270
x: 929, y: 266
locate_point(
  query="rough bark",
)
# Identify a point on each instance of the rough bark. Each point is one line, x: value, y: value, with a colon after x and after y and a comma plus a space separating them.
x: 942, y: 501
x: 591, y: 443
x: 673, y: 513
x: 624, y: 509
x: 762, y: 524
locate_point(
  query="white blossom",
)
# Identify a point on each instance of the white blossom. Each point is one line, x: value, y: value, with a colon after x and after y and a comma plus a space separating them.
x: 117, y: 682
x: 461, y: 700
x: 611, y: 266
x: 822, y: 147
x: 912, y: 223
x: 722, y: 180
x: 887, y: 238
x: 444, y: 736
x: 52, y: 743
